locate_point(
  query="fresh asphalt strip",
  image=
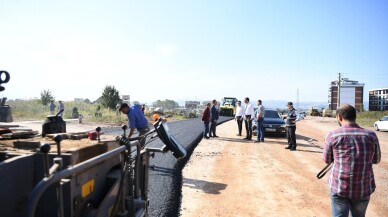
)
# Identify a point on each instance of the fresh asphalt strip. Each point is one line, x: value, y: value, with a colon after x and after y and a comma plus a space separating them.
x: 165, y: 180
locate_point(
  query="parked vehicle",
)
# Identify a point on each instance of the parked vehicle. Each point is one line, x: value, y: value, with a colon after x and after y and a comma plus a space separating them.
x: 228, y: 106
x: 381, y: 124
x: 273, y: 123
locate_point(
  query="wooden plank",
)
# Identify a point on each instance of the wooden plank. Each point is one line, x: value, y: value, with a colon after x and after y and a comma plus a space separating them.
x: 8, y: 125
x: 19, y: 129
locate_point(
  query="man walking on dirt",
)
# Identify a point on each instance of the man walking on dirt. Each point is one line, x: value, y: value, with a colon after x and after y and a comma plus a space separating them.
x: 353, y: 151
x: 260, y: 121
x: 214, y: 119
x: 292, y: 117
x: 136, y: 120
x: 206, y: 120
x: 239, y: 117
x: 248, y: 116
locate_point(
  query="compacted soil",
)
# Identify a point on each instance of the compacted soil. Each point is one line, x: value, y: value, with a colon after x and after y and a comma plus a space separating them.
x: 228, y: 176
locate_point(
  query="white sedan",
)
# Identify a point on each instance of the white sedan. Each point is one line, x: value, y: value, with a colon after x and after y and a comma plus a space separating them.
x: 381, y: 124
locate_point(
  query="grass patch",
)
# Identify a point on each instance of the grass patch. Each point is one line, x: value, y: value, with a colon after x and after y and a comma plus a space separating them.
x: 367, y: 119
x: 34, y: 110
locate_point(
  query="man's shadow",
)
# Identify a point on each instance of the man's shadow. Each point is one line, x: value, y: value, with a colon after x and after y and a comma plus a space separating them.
x: 205, y: 186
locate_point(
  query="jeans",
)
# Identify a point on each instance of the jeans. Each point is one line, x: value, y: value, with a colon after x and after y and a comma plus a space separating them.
x: 341, y: 206
x: 143, y: 131
x: 260, y: 129
x: 206, y: 130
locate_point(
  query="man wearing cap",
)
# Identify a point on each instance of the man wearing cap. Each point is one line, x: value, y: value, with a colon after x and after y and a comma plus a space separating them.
x: 136, y: 119
x: 292, y: 117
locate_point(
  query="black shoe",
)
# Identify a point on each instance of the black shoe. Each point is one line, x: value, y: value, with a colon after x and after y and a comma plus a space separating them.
x: 262, y: 140
x: 292, y: 149
x: 238, y: 134
x: 288, y: 147
x: 206, y: 137
x: 257, y: 141
x: 245, y: 138
x: 215, y: 136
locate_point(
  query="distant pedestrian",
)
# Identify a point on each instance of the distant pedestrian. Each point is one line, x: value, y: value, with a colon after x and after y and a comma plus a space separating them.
x: 80, y: 117
x: 214, y: 119
x: 52, y: 107
x: 206, y: 120
x: 353, y: 151
x: 239, y: 117
x: 143, y: 108
x: 60, y: 107
x: 260, y: 121
x: 248, y: 116
x: 292, y: 117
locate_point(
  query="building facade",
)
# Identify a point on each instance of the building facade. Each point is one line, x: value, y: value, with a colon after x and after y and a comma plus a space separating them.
x: 350, y: 92
x: 378, y: 99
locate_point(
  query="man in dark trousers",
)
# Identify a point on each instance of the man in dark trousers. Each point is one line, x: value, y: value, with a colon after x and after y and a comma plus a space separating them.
x: 292, y: 117
x: 214, y: 119
x: 206, y: 120
x: 353, y: 151
x: 248, y: 117
x: 239, y: 117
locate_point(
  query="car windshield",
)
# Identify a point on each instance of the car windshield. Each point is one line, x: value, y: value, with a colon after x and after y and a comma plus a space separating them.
x: 271, y: 114
x: 229, y: 101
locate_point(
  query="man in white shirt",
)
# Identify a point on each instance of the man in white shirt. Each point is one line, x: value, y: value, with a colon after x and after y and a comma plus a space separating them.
x: 239, y: 117
x: 248, y: 116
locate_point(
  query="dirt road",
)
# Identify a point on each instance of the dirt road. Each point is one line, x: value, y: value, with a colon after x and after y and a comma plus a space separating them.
x: 228, y: 176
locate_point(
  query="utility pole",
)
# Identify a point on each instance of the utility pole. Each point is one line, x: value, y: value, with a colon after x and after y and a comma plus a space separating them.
x: 297, y: 99
x: 339, y: 88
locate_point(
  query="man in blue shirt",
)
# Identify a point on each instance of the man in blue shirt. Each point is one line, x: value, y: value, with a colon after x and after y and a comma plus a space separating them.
x: 136, y: 119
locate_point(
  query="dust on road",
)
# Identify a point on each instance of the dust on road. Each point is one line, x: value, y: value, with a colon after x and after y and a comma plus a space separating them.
x: 228, y: 176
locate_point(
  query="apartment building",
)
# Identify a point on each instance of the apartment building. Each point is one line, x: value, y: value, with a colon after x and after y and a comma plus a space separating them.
x: 378, y: 99
x: 351, y: 92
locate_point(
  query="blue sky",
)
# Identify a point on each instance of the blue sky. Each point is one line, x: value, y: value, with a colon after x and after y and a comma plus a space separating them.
x: 192, y: 50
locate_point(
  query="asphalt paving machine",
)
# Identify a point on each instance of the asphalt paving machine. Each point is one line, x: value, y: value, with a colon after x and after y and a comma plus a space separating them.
x: 228, y: 106
x: 103, y: 177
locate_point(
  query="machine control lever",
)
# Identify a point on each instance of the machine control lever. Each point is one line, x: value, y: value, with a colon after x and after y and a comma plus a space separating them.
x: 58, y: 139
x: 124, y: 128
x: 45, y: 149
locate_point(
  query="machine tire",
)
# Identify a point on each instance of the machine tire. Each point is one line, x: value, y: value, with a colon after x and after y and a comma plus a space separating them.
x: 377, y: 127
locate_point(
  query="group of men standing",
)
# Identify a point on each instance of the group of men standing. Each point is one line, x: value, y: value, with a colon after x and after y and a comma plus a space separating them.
x: 247, y: 114
x: 210, y: 115
x: 60, y: 107
x: 351, y: 149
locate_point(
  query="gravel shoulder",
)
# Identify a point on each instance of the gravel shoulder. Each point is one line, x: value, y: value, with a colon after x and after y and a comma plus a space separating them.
x: 228, y: 176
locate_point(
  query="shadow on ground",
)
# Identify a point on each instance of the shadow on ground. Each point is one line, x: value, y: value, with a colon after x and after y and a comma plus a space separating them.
x: 207, y: 187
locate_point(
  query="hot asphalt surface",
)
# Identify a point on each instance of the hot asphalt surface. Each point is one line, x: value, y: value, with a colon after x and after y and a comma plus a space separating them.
x: 166, y: 178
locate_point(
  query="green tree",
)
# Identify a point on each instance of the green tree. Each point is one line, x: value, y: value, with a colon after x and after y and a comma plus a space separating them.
x: 87, y: 101
x: 46, y: 97
x: 110, y: 97
x: 166, y: 104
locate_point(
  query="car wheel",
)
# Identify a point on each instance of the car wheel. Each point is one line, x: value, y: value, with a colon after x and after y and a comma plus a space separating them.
x: 377, y: 127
